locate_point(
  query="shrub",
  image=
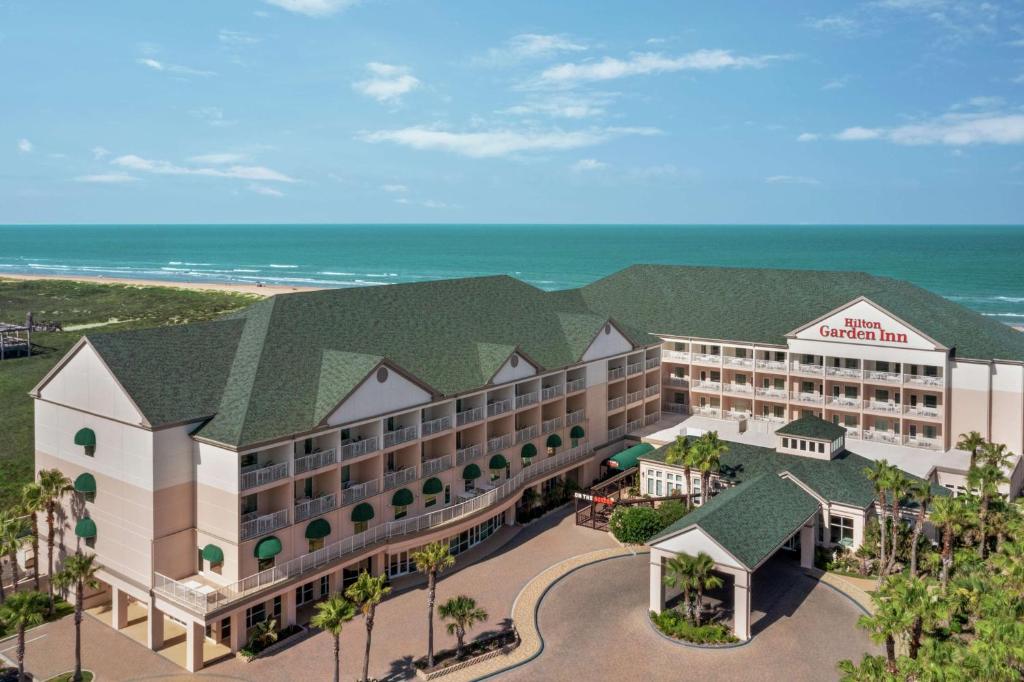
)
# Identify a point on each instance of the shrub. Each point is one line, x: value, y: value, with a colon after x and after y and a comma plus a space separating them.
x: 635, y: 525
x: 673, y: 624
x: 670, y: 512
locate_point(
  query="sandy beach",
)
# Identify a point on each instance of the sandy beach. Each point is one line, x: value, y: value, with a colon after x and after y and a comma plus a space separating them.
x: 237, y: 287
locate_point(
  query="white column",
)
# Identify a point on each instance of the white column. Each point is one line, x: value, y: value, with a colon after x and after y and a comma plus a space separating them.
x: 238, y: 633
x: 288, y: 608
x: 155, y: 628
x: 807, y: 546
x: 657, y: 596
x: 741, y: 606
x: 195, y: 634
x: 118, y: 608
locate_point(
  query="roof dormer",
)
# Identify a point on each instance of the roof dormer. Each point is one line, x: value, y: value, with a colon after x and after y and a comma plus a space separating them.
x: 811, y: 436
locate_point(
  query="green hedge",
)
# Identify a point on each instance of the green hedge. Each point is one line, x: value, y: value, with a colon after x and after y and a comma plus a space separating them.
x: 673, y: 624
x: 635, y: 525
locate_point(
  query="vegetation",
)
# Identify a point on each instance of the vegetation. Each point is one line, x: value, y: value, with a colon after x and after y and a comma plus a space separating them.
x: 68, y: 677
x: 53, y: 485
x: 463, y: 613
x: 103, y: 307
x: 21, y: 611
x: 534, y: 505
x: 79, y: 573
x: 693, y: 575
x: 674, y: 624
x: 263, y: 635
x: 331, y: 615
x: 953, y: 612
x: 366, y: 592
x: 431, y: 560
x: 634, y: 525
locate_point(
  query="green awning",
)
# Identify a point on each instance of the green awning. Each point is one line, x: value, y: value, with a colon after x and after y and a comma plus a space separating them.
x: 576, y: 432
x: 554, y: 441
x: 402, y: 498
x: 86, y: 438
x: 318, y: 529
x: 268, y: 548
x: 498, y: 462
x: 362, y: 512
x: 85, y: 528
x: 529, y: 450
x: 432, y: 486
x: 85, y: 483
x: 627, y: 459
x: 213, y: 554
x: 471, y: 472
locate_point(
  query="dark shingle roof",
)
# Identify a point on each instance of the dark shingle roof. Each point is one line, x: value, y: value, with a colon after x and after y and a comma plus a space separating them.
x: 812, y: 426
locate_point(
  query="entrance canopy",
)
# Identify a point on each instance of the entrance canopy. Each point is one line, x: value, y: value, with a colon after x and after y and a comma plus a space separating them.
x: 627, y: 459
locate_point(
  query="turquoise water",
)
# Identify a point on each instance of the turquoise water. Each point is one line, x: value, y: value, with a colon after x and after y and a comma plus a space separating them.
x: 980, y: 267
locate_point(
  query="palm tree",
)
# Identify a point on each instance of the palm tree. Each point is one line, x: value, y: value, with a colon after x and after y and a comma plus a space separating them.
x: 79, y: 573
x: 431, y: 560
x: 898, y: 485
x: 33, y: 500
x: 922, y: 494
x: 950, y: 514
x: 710, y: 450
x: 366, y: 592
x: 21, y: 611
x: 679, y: 575
x: 985, y: 477
x: 264, y: 634
x: 331, y: 615
x: 464, y: 614
x: 879, y: 475
x: 704, y: 579
x: 890, y: 620
x: 12, y: 536
x: 679, y: 453
x: 54, y: 484
x: 971, y: 442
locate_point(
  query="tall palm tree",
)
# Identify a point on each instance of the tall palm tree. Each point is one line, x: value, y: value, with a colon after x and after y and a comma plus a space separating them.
x: 79, y: 573
x: 922, y: 494
x: 971, y: 442
x: 13, y: 527
x: 431, y: 560
x: 22, y: 611
x: 703, y: 579
x: 331, y: 615
x: 679, y: 575
x: 879, y: 475
x: 985, y: 477
x: 890, y: 620
x: 899, y: 485
x: 366, y: 592
x: 33, y: 501
x: 54, y: 485
x: 464, y: 614
x: 950, y: 514
x: 678, y: 454
x: 711, y: 450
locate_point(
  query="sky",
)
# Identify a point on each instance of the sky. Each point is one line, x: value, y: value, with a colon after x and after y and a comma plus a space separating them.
x: 444, y: 111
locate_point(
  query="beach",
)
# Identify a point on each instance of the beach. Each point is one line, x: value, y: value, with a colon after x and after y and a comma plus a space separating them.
x: 236, y: 287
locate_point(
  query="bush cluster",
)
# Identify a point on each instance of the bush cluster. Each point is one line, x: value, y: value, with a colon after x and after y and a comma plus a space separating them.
x: 636, y: 525
x: 674, y: 624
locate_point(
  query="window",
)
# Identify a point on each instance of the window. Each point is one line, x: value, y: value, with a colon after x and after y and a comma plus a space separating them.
x: 277, y: 607
x: 346, y: 476
x: 650, y: 486
x: 716, y: 375
x: 929, y: 432
x: 248, y: 460
x: 779, y: 411
x: 255, y: 614
x: 807, y: 386
x: 680, y: 372
x: 851, y: 392
x: 741, y: 379
x: 264, y: 564
x: 803, y: 444
x: 345, y: 434
x: 785, y: 442
x: 850, y: 421
x: 840, y: 530
x: 881, y: 365
x: 360, y: 526
x: 680, y: 346
x: 821, y: 448
x: 469, y: 484
x: 325, y: 585
x: 930, y: 371
x: 303, y: 594
x: 401, y: 512
x: 314, y: 545
x: 249, y: 504
x: 780, y: 356
x: 780, y: 384
x: 658, y: 488
x: 430, y: 500
x: 225, y: 629
x: 808, y: 359
x: 931, y: 401
x: 741, y: 352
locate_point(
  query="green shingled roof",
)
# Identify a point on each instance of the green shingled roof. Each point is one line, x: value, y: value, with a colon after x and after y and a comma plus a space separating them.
x: 812, y: 426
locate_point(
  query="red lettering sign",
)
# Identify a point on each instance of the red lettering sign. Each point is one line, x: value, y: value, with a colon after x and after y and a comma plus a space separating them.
x: 857, y: 329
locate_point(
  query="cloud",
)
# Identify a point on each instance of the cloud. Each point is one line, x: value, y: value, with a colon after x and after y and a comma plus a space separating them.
x: 807, y: 137
x: 645, y: 63
x: 177, y: 69
x: 237, y: 38
x: 563, y: 106
x: 262, y: 173
x: 588, y: 165
x: 429, y: 203
x: 25, y: 146
x: 498, y: 143
x: 526, y: 46
x: 857, y: 133
x: 313, y: 8
x: 107, y: 178
x: 388, y: 83
x: 791, y: 180
x: 1019, y: 79
x: 394, y: 188
x: 219, y: 158
x: 837, y: 83
x: 834, y: 24
x: 646, y: 173
x: 264, y: 190
x: 100, y: 153
x: 955, y: 130
x: 213, y: 116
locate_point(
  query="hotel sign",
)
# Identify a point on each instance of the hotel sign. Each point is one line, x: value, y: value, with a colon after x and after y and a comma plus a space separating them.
x: 857, y: 329
x: 595, y: 498
x: 862, y: 322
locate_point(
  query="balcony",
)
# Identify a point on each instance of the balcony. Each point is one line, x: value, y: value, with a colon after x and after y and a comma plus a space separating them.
x: 358, y: 448
x: 883, y: 407
x: 616, y: 403
x: 634, y: 368
x: 634, y: 425
x: 551, y: 392
x: 772, y: 393
x: 359, y: 491
x: 882, y: 377
x: 708, y: 412
x: 315, y: 507
x: 652, y: 391
x: 575, y: 417
x: 527, y: 399
x: 852, y: 432
x: 708, y: 386
x: 923, y: 380
x: 706, y: 359
x: 651, y: 363
x: 779, y: 365
x: 436, y: 425
x: 768, y: 418
x: 434, y: 466
x: 616, y: 373
x: 808, y: 398
x: 617, y: 432
x: 848, y: 372
x: 469, y: 416
x: 316, y: 460
x: 634, y: 397
x: 652, y: 418
x: 576, y: 385
x: 254, y: 525
x: 499, y: 443
x: 811, y: 370
x: 678, y: 382
x: 737, y: 415
x: 398, y: 436
x: 923, y: 411
x: 551, y: 425
x: 675, y: 355
x: 744, y: 389
x: 463, y: 455
x: 499, y: 407
x: 401, y: 477
x: 527, y: 433
x: 881, y: 436
x: 922, y: 442
x: 675, y: 408
x: 252, y: 477
x: 733, y: 361
x: 844, y: 403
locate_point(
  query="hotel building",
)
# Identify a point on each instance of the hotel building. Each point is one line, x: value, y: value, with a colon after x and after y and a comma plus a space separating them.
x: 235, y: 470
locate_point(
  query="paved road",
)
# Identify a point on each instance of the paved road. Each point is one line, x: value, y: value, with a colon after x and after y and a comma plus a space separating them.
x: 595, y: 626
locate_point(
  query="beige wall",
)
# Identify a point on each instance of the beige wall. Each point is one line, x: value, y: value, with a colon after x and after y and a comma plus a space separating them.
x: 1008, y: 406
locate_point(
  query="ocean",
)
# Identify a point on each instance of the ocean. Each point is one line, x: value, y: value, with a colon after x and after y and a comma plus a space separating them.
x: 980, y: 267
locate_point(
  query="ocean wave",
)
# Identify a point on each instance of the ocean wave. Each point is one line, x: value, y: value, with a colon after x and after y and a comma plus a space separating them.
x: 180, y: 262
x: 244, y: 270
x: 176, y: 269
x: 1009, y: 299
x: 1003, y: 314
x: 276, y: 265
x: 381, y: 274
x: 340, y: 274
x: 49, y: 267
x: 310, y: 281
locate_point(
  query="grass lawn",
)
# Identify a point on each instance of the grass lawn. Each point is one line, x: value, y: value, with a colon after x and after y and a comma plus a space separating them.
x: 66, y: 677
x: 107, y: 307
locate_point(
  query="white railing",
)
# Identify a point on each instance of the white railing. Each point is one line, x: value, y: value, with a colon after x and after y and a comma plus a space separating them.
x: 315, y: 507
x: 257, y: 476
x: 852, y: 372
x: 885, y: 377
x: 675, y: 355
x: 358, y: 448
x: 469, y: 416
x: 708, y: 412
x: 575, y: 385
x: 843, y: 401
x: 651, y: 363
x: 204, y: 603
x: 616, y: 433
x: 888, y: 408
x: 616, y: 403
x: 433, y: 466
x: 575, y: 417
x: 735, y: 361
x: 526, y: 399
x: 499, y: 443
x: 922, y: 411
x: 634, y: 368
x: 652, y: 390
x: 359, y: 491
x: 771, y: 364
x: 651, y: 418
x: 316, y: 460
x: 852, y: 432
x: 616, y: 373
x: 801, y: 368
x: 550, y: 392
x: 634, y: 425
x: 779, y: 393
x: 551, y: 425
x: 708, y: 385
x: 881, y: 436
x: 706, y: 358
x: 397, y: 478
x: 634, y: 396
x: 736, y: 415
x: 527, y: 433
x: 436, y: 425
x: 811, y: 398
x: 463, y: 455
x: 499, y: 407
x: 403, y: 435
x: 923, y: 380
x: 253, y: 525
x: 922, y: 442
x: 681, y: 382
x: 738, y: 388
x: 675, y: 408
x: 769, y: 418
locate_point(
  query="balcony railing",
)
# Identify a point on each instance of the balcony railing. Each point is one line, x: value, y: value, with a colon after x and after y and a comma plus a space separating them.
x: 886, y: 407
x: 634, y: 425
x: 809, y: 398
x: 922, y: 411
x: 616, y: 433
x: 436, y: 425
x: 469, y: 416
x: 922, y: 442
x: 681, y: 382
x: 708, y: 412
x: 220, y: 597
x: 778, y: 393
x: 359, y: 491
x: 746, y: 389
x: 634, y: 396
x: 883, y: 377
x: 359, y: 448
x: 708, y: 385
x: 433, y: 466
x: 771, y: 364
x: 923, y: 380
x: 551, y: 425
x: 463, y: 455
x: 527, y: 433
x: 675, y: 408
x: 737, y: 415
x: 802, y: 368
x: 842, y: 402
x: 616, y: 403
x: 316, y: 460
x: 499, y: 407
x: 651, y: 418
x: 526, y: 399
x: 651, y: 390
x: 851, y: 372
x: 706, y: 358
x: 397, y: 478
x: 402, y: 435
x: 769, y: 418
x: 634, y: 368
x: 852, y: 432
x: 315, y: 507
x: 575, y: 417
x: 261, y: 475
x: 576, y: 385
x: 675, y: 355
x: 549, y: 392
x: 616, y: 373
x: 499, y: 443
x: 651, y: 363
x: 734, y: 361
x: 253, y: 524
x: 881, y: 436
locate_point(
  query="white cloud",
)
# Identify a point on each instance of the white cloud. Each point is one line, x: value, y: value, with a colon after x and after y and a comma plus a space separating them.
x: 497, y: 143
x: 388, y: 83
x: 237, y: 38
x: 313, y: 8
x: 99, y: 153
x: 834, y: 24
x: 857, y: 133
x: 213, y: 116
x: 807, y: 137
x: 394, y: 188
x: 218, y: 158
x: 955, y: 130
x: 429, y: 203
x: 264, y: 190
x: 530, y: 46
x: 837, y: 83
x: 563, y: 106
x: 644, y: 63
x: 177, y: 69
x: 261, y: 173
x: 791, y: 180
x: 107, y: 178
x: 25, y: 146
x: 588, y: 165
